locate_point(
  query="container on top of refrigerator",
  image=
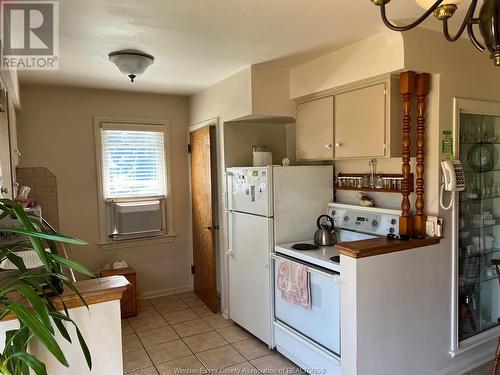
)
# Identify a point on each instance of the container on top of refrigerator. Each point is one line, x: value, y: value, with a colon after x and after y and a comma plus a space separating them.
x: 261, y: 157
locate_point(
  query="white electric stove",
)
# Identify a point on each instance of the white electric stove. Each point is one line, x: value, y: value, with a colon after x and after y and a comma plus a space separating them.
x: 324, y: 256
x: 311, y: 337
x: 352, y: 223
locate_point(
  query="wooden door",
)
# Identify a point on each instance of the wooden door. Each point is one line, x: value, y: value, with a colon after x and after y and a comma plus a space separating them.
x: 314, y: 130
x: 360, y: 119
x: 203, y: 193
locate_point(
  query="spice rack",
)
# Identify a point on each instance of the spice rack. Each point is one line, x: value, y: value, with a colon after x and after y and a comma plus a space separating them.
x: 389, y: 183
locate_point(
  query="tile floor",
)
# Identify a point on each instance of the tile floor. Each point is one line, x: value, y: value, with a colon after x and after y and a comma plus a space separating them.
x: 178, y: 334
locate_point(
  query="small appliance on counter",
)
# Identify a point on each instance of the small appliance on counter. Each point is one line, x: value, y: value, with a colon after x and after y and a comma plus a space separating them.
x: 325, y: 234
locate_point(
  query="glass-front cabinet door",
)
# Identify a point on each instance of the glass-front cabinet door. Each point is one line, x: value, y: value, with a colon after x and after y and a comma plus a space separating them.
x: 477, y: 216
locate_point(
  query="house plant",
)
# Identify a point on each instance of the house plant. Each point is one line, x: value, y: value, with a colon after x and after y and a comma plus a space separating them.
x: 30, y: 294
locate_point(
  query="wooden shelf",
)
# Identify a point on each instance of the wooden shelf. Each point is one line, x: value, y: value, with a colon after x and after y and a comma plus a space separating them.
x: 369, y: 189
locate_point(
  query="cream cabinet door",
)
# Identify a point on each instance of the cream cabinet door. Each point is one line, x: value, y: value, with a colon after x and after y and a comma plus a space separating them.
x: 314, y: 130
x: 360, y: 122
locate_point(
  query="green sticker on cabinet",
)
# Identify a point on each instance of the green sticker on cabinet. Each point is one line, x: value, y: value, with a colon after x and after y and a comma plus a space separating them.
x: 447, y: 145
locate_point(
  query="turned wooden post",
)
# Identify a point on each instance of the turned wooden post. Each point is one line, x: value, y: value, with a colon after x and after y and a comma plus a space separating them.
x: 407, y: 87
x: 421, y: 90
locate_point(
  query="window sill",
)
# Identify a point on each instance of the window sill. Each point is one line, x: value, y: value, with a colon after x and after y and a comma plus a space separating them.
x: 124, y: 244
x: 475, y: 341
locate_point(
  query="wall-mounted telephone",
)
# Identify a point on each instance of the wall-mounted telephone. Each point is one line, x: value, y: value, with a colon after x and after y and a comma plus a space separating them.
x: 454, y: 180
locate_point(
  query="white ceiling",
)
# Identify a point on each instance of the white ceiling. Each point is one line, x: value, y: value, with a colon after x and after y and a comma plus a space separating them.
x: 199, y: 42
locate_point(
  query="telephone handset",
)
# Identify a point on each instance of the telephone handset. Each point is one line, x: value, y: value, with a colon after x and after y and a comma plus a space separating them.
x: 454, y: 180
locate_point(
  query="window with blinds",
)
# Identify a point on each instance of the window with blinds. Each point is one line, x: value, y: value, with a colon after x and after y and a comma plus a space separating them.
x: 133, y: 167
x: 133, y: 163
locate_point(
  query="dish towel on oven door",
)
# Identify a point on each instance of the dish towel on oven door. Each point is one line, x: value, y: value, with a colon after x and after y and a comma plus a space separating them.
x: 294, y: 283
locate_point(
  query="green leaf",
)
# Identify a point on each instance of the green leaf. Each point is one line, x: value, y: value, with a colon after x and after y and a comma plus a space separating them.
x: 58, y: 318
x: 56, y: 292
x: 71, y: 264
x: 70, y: 285
x: 45, y: 236
x: 29, y: 230
x: 85, y: 348
x: 4, y: 215
x: 20, y: 344
x: 37, y: 303
x: 31, y: 361
x: 17, y: 260
x: 40, y: 331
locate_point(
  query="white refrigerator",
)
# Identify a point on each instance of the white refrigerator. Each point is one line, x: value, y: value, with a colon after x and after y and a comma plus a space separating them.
x: 266, y: 206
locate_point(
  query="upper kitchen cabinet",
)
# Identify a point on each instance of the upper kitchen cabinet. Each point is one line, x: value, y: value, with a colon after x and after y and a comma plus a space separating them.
x: 314, y: 130
x: 360, y: 120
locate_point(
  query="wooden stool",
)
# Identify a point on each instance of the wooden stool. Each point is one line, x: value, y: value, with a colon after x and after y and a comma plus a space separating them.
x: 129, y: 298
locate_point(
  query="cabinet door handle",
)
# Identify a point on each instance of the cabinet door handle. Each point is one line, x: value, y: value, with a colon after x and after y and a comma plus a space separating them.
x: 338, y: 144
x: 328, y: 146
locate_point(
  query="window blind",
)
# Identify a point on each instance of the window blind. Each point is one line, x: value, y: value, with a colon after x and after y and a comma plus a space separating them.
x: 133, y: 163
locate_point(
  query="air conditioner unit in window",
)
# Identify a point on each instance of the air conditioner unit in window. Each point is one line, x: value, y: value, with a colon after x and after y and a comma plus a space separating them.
x: 136, y: 219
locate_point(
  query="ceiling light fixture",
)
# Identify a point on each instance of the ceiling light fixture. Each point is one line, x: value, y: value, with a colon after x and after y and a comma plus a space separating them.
x: 131, y: 62
x: 488, y: 21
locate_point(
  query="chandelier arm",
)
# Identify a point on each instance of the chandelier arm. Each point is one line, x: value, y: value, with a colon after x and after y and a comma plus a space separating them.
x: 473, y: 38
x: 467, y: 21
x: 411, y: 25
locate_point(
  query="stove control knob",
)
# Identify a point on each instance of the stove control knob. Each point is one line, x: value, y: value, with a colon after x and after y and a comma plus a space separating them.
x: 333, y: 212
x: 391, y: 230
x: 374, y: 223
x: 346, y: 218
x: 393, y: 221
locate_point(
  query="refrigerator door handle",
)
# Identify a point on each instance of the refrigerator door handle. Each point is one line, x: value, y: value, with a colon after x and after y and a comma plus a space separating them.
x: 228, y: 190
x: 229, y: 233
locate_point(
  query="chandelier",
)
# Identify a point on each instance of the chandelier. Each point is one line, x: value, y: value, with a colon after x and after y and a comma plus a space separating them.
x: 488, y: 21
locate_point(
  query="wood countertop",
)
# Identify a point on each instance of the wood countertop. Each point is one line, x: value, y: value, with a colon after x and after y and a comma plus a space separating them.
x: 94, y: 291
x: 381, y: 245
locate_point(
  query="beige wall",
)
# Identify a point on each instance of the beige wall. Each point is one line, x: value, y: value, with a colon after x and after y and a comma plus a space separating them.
x: 56, y: 131
x: 379, y: 54
x: 240, y: 137
x: 229, y: 99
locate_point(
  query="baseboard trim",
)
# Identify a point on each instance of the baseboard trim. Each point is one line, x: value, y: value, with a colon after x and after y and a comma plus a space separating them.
x: 167, y: 291
x: 462, y: 366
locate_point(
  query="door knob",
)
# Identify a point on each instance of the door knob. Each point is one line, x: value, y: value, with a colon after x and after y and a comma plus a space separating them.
x: 328, y: 146
x: 338, y: 144
x: 208, y: 229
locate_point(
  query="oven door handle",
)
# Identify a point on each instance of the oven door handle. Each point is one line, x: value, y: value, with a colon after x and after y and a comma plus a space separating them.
x: 333, y: 276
